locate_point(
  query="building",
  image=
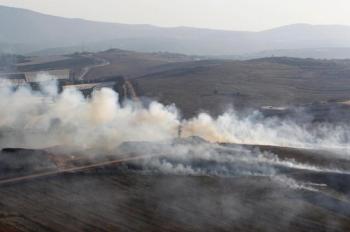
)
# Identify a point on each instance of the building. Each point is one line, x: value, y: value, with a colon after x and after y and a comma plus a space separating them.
x: 16, y: 79
x: 59, y: 74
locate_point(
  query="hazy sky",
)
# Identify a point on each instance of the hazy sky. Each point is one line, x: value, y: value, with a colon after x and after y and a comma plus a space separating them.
x: 220, y: 14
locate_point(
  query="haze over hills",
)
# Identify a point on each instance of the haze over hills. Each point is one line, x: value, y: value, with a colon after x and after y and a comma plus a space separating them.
x: 24, y: 31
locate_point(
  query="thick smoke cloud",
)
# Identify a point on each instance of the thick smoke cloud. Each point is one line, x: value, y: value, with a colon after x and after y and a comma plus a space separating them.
x: 255, y: 129
x: 198, y: 158
x: 101, y: 125
x: 68, y: 119
x: 46, y: 118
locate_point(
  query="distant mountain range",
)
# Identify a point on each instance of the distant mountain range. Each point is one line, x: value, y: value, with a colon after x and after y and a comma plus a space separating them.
x: 27, y: 32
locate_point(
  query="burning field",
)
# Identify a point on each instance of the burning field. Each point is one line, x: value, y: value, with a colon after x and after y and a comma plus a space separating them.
x: 74, y: 164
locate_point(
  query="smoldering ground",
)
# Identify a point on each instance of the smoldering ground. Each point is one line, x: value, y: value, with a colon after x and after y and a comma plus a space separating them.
x: 196, y: 180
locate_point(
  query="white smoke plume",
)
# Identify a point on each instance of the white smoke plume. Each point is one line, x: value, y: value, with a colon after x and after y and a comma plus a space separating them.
x: 33, y: 119
x: 202, y: 159
x: 68, y: 119
x: 255, y: 129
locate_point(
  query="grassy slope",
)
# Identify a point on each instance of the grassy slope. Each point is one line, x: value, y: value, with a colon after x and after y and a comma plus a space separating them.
x: 212, y: 85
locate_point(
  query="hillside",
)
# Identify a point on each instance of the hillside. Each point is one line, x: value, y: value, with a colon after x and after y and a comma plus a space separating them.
x: 214, y: 85
x: 133, y: 64
x: 316, y: 53
x: 24, y: 31
x: 197, y: 84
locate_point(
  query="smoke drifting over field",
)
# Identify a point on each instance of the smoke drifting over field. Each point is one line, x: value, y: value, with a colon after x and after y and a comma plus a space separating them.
x: 100, y: 125
x: 33, y: 119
